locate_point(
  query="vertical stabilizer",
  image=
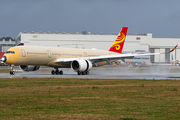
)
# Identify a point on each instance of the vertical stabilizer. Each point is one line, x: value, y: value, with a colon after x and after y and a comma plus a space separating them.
x: 117, y: 46
x: 1, y: 54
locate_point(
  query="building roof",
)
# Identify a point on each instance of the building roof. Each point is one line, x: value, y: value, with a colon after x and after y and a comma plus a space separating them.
x: 7, y: 39
x: 78, y: 33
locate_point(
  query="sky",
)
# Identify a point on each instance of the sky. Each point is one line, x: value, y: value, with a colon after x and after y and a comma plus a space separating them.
x: 159, y: 17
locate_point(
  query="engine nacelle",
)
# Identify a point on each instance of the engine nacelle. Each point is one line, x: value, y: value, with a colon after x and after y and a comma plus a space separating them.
x: 29, y: 67
x: 81, y: 65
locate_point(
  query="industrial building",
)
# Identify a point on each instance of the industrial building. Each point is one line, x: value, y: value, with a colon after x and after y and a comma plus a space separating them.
x: 6, y: 43
x: 133, y: 43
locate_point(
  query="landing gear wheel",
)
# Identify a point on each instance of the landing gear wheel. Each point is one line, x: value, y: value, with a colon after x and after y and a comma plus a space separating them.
x: 57, y: 72
x: 79, y: 73
x: 60, y: 72
x: 83, y: 73
x: 12, y: 72
x: 52, y: 72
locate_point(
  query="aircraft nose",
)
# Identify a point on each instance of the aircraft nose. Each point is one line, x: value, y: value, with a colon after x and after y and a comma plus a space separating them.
x: 4, y: 58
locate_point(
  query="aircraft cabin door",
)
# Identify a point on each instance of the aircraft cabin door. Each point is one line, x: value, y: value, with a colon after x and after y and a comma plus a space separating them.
x: 49, y: 53
x: 23, y: 53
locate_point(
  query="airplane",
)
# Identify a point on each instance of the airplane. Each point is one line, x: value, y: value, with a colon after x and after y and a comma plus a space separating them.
x: 30, y: 58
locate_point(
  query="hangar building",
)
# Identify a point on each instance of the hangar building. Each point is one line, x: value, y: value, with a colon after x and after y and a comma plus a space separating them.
x: 6, y: 43
x: 133, y: 43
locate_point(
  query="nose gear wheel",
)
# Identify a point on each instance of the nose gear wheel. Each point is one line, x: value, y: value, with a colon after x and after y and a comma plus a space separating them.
x: 12, y: 72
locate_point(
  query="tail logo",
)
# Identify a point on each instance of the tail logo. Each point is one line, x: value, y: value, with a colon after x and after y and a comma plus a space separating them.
x: 117, y: 46
x: 120, y: 39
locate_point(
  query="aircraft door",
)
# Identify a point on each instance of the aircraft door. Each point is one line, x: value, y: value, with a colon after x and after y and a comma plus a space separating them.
x: 23, y: 53
x: 49, y: 53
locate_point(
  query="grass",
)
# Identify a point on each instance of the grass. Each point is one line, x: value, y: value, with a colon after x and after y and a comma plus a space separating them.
x: 67, y: 98
x: 4, y: 71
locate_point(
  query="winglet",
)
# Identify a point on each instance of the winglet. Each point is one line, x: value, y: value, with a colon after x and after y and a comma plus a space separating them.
x: 117, y: 46
x: 173, y: 48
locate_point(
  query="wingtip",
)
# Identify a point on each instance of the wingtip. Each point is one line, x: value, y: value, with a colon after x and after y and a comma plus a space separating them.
x: 174, y: 48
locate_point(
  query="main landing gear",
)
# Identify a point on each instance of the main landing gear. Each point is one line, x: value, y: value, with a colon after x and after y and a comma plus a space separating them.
x: 12, y: 71
x: 83, y: 73
x: 56, y: 72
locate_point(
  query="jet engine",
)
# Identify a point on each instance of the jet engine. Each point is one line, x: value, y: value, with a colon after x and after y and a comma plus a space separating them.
x: 29, y: 67
x: 81, y: 65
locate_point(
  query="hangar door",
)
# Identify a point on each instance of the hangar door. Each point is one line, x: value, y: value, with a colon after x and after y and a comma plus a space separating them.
x: 167, y: 55
x: 152, y: 56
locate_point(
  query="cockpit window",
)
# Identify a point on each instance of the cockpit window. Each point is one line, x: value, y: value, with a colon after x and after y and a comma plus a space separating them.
x: 7, y: 52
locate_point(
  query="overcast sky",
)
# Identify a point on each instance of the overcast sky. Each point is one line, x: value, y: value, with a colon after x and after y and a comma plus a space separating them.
x: 159, y: 17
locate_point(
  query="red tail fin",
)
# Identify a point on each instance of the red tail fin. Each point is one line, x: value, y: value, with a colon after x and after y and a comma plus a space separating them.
x: 1, y: 54
x: 117, y: 46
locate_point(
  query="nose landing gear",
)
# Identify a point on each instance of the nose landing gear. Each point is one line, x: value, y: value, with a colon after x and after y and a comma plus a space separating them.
x: 12, y: 72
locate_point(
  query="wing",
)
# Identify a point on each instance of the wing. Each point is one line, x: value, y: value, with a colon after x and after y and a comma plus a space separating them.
x: 107, y: 58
